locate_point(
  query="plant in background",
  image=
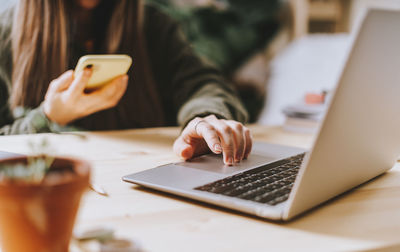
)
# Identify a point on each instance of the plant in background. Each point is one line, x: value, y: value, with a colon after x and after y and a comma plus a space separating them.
x: 34, y: 169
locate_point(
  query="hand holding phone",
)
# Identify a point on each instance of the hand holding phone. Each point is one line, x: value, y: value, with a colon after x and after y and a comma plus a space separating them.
x: 66, y: 99
x: 105, y: 68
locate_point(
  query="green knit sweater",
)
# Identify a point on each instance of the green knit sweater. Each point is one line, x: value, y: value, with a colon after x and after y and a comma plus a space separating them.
x: 187, y: 86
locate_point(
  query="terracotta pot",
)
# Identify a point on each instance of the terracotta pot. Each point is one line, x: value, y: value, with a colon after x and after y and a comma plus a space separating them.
x: 40, y: 218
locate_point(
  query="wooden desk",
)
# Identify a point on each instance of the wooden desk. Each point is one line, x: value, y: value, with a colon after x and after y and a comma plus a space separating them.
x: 366, y: 219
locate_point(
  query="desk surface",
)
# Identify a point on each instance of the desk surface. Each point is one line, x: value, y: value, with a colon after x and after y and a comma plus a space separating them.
x: 368, y: 218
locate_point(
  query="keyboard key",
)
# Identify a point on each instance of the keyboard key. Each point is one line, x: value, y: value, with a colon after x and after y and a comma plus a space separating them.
x: 270, y: 184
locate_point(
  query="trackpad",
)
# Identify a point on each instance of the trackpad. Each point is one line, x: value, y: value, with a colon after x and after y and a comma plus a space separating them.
x: 214, y: 163
x: 262, y: 154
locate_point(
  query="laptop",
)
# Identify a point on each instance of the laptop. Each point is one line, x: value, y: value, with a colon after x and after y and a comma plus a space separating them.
x: 358, y: 140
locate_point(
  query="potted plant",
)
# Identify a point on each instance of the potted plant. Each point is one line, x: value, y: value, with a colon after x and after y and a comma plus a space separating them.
x: 39, y: 199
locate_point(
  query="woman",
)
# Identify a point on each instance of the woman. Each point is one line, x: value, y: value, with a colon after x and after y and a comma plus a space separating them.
x: 167, y: 84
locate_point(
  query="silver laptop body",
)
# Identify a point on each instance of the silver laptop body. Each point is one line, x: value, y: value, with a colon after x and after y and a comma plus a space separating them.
x: 358, y: 140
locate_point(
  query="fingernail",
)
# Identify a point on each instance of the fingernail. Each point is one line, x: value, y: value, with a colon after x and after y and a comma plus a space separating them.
x: 237, y: 160
x: 230, y: 161
x: 217, y: 148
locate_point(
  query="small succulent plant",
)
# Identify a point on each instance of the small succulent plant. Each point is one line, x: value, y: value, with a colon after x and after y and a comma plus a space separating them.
x: 34, y: 170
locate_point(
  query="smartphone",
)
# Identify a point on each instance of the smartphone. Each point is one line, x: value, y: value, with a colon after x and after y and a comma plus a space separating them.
x: 105, y: 68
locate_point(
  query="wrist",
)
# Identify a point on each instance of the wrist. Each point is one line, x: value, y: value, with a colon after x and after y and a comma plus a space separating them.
x: 53, y: 115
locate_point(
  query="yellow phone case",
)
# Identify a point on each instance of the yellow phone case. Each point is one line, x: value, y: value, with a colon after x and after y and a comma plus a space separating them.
x: 105, y: 68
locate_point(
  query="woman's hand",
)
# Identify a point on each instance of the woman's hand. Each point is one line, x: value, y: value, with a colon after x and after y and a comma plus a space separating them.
x: 66, y: 101
x: 220, y: 136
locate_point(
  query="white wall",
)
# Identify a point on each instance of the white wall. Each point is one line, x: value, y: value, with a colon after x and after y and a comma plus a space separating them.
x: 360, y: 6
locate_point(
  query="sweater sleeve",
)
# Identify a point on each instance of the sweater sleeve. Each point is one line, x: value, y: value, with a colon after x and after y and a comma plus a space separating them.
x: 22, y: 121
x: 29, y: 122
x: 197, y: 88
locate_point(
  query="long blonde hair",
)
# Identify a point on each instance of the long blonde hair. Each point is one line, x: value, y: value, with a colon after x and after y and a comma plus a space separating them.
x: 40, y: 40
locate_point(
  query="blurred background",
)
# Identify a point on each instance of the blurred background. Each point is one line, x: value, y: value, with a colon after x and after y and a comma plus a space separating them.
x: 274, y: 51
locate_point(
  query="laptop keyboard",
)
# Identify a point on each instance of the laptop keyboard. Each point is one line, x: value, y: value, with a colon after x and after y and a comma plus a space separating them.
x: 269, y: 184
